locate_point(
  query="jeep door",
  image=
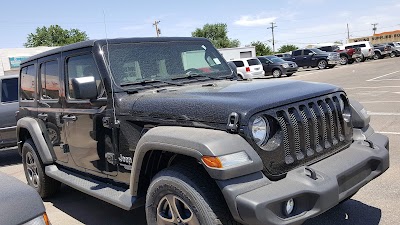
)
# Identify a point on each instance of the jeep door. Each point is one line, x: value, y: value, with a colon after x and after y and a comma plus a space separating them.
x: 86, y: 138
x: 8, y: 107
x: 50, y: 103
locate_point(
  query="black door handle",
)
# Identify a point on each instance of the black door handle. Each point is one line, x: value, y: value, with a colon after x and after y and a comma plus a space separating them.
x: 68, y: 118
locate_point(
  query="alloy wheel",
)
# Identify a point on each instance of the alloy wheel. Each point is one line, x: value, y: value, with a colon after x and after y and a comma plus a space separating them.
x: 32, y: 170
x: 172, y: 210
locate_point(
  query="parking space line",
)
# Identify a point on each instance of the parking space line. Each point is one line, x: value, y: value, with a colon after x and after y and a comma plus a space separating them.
x: 375, y: 79
x: 372, y: 87
x: 383, y: 114
x: 384, y: 132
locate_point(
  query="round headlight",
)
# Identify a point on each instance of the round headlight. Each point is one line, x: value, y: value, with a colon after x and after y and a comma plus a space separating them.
x: 260, y: 130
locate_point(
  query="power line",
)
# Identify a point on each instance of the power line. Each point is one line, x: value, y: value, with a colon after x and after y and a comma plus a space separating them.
x: 158, y: 31
x: 273, y: 37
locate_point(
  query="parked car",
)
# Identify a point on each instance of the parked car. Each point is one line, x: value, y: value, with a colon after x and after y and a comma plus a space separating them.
x: 382, y: 50
x: 248, y: 68
x: 20, y: 203
x: 9, y: 105
x: 347, y: 56
x: 367, y: 49
x: 395, y: 48
x: 174, y: 130
x: 277, y: 67
x: 285, y: 56
x: 314, y: 57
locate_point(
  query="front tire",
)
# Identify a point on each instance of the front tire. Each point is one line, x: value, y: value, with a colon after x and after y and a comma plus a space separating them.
x: 377, y: 56
x: 276, y: 73
x: 344, y: 60
x: 184, y: 194
x: 392, y: 54
x: 34, y: 171
x: 322, y: 64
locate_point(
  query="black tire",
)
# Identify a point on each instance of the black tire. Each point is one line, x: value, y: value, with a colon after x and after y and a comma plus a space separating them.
x: 276, y: 73
x: 289, y: 74
x: 377, y: 55
x: 34, y: 171
x: 186, y: 185
x: 344, y: 60
x: 362, y: 59
x: 322, y: 64
x: 393, y: 54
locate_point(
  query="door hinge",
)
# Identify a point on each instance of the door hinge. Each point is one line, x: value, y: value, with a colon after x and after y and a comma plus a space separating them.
x: 107, y: 122
x: 233, y: 123
x: 110, y: 157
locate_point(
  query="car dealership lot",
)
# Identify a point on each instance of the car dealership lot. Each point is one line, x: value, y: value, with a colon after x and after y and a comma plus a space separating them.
x: 376, y: 84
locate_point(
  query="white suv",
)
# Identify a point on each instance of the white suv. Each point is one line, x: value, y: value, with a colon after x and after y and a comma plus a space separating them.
x: 367, y: 49
x: 249, y: 68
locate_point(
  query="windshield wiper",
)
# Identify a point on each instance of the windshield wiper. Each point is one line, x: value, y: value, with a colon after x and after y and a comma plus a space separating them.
x: 151, y: 83
x: 196, y: 76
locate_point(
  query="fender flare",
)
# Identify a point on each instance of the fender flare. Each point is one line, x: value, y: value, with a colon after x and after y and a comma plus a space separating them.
x: 195, y: 143
x: 37, y: 130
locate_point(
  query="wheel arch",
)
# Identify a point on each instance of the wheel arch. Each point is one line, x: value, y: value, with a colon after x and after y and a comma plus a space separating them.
x: 28, y: 127
x: 192, y: 144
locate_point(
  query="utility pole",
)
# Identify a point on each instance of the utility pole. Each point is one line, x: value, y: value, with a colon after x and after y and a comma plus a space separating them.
x: 374, y: 28
x: 158, y: 31
x: 273, y: 37
x: 348, y: 33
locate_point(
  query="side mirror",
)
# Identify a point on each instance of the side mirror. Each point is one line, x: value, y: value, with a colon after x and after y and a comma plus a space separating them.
x: 85, y: 88
x: 311, y: 53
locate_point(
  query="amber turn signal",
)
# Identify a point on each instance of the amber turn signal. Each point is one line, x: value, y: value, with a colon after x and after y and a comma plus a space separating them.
x: 212, y: 161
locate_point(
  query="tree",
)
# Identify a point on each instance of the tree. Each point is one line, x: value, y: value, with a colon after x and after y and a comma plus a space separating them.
x: 261, y: 48
x: 287, y: 48
x: 54, y: 35
x: 217, y: 34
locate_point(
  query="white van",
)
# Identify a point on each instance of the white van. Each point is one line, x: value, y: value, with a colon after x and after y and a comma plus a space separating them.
x: 367, y: 49
x: 249, y: 68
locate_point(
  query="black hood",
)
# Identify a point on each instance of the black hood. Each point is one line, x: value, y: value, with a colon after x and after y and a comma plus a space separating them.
x: 213, y: 104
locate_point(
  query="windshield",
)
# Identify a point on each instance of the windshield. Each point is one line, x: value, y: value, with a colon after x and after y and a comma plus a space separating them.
x: 275, y: 59
x: 133, y: 63
x: 316, y: 50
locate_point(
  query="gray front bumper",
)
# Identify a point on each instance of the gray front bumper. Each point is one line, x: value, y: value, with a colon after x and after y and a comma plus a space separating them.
x: 338, y: 177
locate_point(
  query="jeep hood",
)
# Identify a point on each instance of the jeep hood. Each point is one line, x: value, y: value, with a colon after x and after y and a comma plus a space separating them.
x: 214, y: 103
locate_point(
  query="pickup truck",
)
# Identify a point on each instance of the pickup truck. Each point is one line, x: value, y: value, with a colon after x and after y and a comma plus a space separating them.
x: 382, y: 50
x: 347, y: 56
x: 314, y: 57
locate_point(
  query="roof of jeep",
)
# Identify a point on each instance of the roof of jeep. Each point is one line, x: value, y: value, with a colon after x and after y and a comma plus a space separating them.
x: 91, y: 43
x: 9, y: 76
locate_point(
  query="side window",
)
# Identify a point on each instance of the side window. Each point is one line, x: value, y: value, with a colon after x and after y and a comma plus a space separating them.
x: 362, y: 46
x: 9, y: 90
x: 306, y: 52
x: 296, y: 53
x: 28, y: 85
x: 238, y: 63
x: 50, y: 82
x: 82, y: 66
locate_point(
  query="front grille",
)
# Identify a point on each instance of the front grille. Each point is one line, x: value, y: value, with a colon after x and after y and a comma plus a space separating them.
x: 307, y: 132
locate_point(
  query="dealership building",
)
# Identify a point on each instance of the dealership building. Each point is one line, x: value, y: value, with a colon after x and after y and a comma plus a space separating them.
x: 10, y: 58
x: 391, y: 36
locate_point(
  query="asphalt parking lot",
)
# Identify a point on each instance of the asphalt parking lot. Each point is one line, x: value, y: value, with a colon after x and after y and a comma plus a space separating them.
x: 376, y: 84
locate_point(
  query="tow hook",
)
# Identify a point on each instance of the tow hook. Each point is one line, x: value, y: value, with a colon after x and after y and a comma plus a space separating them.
x: 312, y: 174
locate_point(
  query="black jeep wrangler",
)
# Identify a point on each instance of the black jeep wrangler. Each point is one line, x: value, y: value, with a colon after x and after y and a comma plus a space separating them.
x: 164, y: 122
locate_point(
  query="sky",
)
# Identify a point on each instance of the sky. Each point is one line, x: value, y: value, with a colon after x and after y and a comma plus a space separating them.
x: 299, y: 22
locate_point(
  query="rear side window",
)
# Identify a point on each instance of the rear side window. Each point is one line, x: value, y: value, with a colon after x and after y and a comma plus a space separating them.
x: 50, y: 82
x: 28, y: 83
x: 9, y: 90
x: 82, y: 66
x: 297, y: 53
x: 362, y: 45
x: 238, y: 63
x: 253, y: 62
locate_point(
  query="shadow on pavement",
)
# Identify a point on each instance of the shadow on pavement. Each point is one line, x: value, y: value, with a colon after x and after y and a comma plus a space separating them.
x: 89, y: 210
x: 9, y: 157
x: 351, y: 212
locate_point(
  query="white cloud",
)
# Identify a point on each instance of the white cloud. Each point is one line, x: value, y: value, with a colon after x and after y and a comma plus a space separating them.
x: 253, y: 21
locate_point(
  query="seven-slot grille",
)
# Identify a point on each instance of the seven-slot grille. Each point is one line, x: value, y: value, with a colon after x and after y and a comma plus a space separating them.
x: 309, y: 131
